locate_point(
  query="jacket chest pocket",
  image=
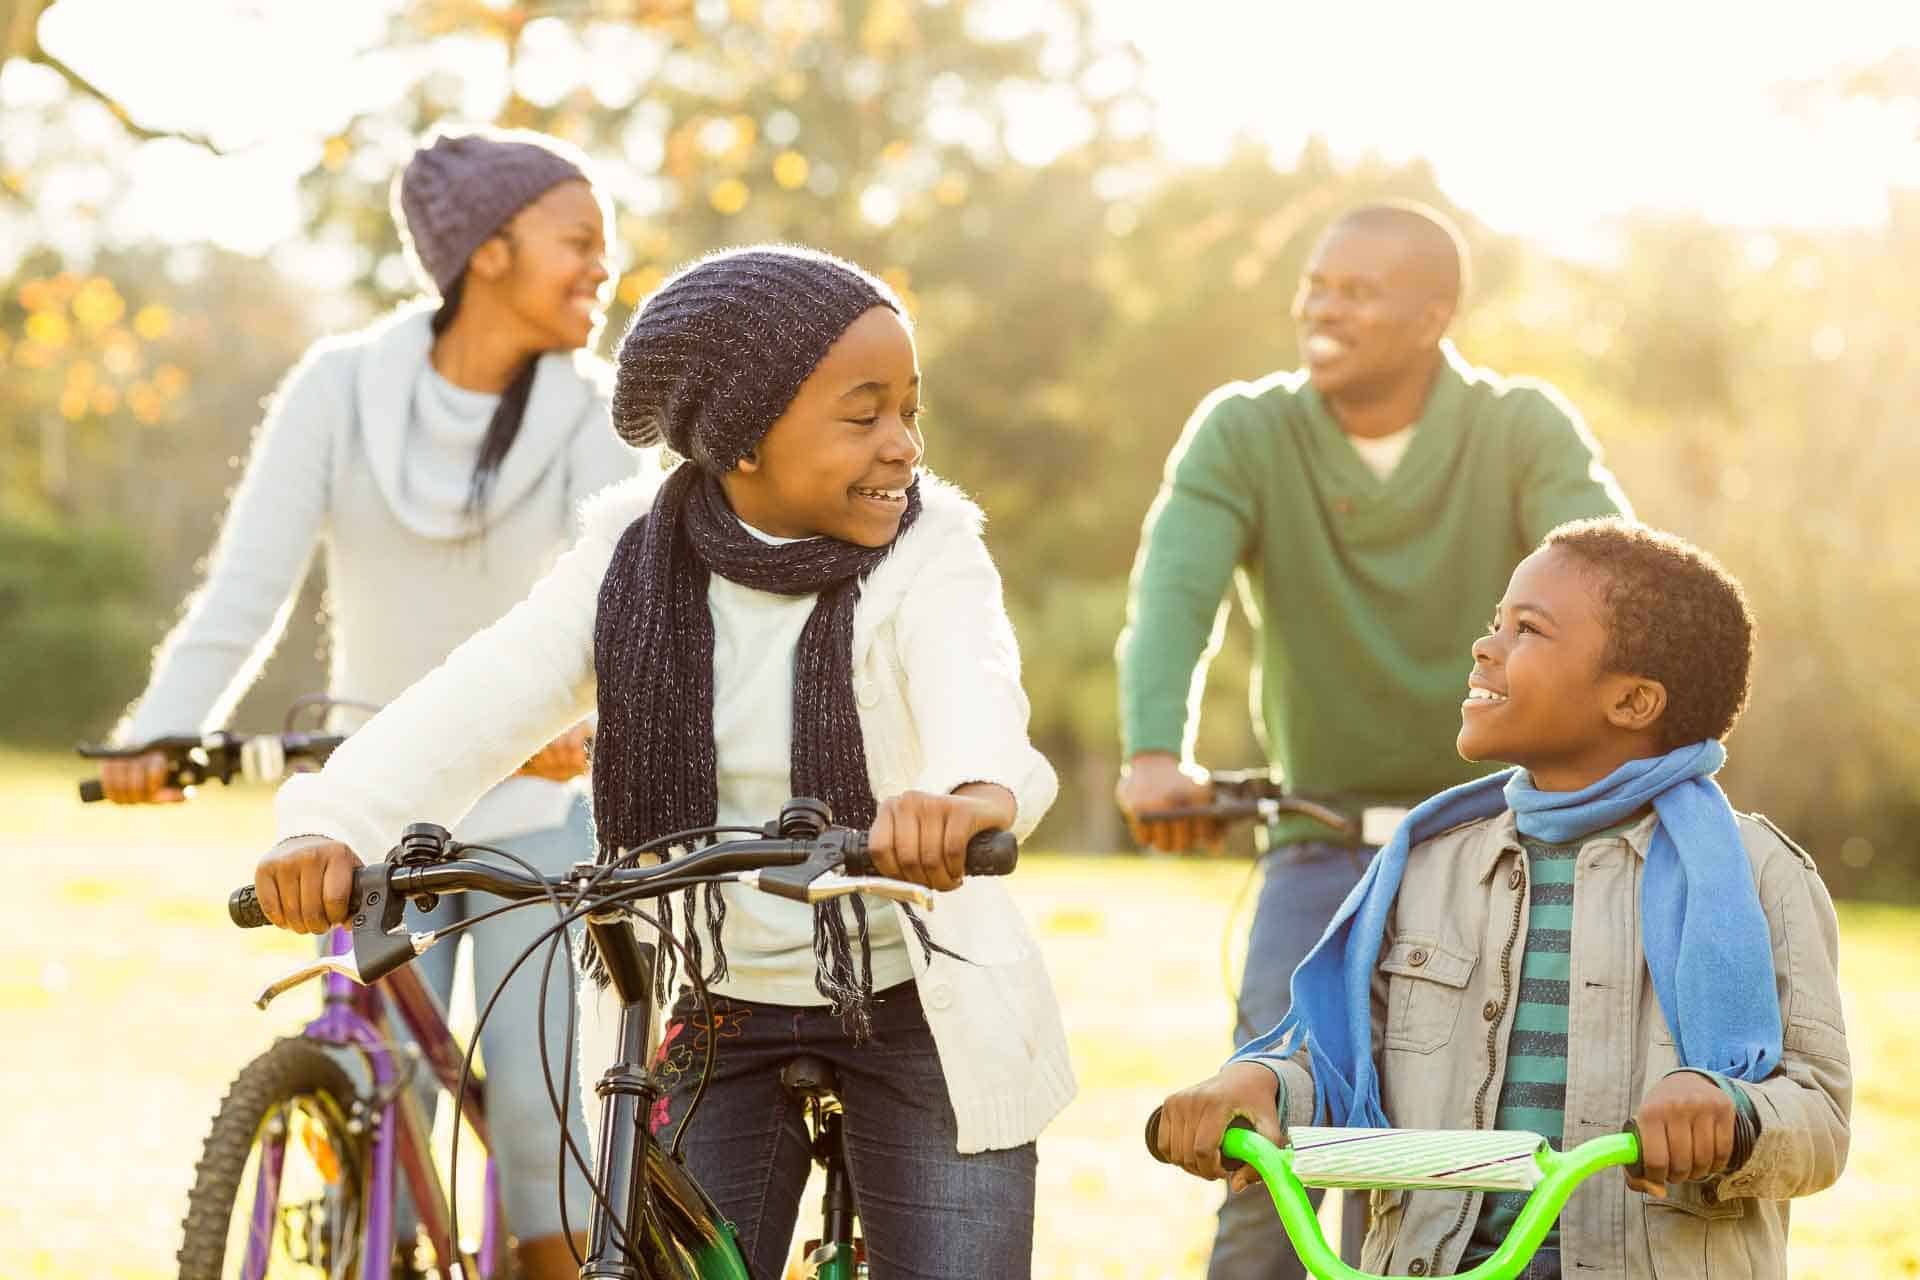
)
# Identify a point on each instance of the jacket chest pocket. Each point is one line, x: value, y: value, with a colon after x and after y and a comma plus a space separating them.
x: 1426, y: 983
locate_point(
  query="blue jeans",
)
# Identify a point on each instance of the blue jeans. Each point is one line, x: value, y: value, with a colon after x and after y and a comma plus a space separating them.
x: 526, y: 1139
x: 925, y: 1210
x: 1301, y: 887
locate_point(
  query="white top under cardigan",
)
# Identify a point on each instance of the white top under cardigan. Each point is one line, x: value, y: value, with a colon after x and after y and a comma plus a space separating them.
x: 769, y: 940
x: 366, y: 451
x: 937, y: 680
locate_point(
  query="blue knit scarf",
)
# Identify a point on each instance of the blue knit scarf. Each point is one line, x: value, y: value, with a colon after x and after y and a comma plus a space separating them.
x: 1706, y: 939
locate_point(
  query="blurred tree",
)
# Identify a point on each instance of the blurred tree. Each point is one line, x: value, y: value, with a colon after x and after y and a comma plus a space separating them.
x: 1075, y: 294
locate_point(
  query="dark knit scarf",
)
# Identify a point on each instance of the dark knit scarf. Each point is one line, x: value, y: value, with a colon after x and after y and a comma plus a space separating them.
x: 654, y: 761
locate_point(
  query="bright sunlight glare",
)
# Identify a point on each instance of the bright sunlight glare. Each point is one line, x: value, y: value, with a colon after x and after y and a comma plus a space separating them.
x: 1538, y: 122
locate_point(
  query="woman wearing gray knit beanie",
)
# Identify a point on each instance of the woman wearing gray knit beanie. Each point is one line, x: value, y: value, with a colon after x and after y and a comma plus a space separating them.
x: 439, y: 457
x: 800, y: 609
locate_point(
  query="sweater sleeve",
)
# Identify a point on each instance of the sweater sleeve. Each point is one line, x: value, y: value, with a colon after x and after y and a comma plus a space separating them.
x: 1202, y: 523
x: 1804, y: 1107
x: 433, y: 751
x: 266, y: 543
x: 1561, y: 474
x: 962, y: 667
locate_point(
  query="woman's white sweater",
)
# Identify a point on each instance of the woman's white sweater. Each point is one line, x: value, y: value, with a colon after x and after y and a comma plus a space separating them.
x: 346, y: 460
x: 937, y: 680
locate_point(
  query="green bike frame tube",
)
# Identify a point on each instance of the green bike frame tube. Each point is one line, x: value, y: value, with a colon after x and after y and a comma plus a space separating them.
x: 1561, y: 1173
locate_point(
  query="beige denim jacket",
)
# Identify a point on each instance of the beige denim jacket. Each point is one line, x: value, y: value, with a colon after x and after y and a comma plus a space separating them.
x: 1443, y: 1000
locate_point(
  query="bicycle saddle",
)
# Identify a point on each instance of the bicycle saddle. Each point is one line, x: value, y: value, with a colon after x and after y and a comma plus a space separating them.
x: 808, y: 1077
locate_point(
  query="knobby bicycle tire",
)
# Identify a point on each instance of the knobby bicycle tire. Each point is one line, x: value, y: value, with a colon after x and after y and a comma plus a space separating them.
x: 291, y: 1069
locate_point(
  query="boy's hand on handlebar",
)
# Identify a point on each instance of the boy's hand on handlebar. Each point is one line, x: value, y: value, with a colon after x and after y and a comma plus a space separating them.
x: 1686, y: 1132
x: 1153, y: 781
x: 922, y: 838
x: 563, y: 759
x: 139, y: 780
x: 1192, y: 1120
x: 304, y: 883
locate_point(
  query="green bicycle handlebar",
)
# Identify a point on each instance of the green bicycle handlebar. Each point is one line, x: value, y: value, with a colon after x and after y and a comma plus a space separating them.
x: 1560, y: 1171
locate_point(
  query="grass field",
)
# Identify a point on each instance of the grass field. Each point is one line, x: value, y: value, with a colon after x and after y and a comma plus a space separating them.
x: 125, y: 999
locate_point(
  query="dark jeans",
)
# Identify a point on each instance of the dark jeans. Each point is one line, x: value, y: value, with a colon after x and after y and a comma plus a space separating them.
x: 925, y: 1210
x: 1301, y: 887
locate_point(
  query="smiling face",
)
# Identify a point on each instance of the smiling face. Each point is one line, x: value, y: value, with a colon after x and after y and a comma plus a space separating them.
x: 838, y: 462
x: 546, y: 271
x: 1538, y: 695
x: 1369, y: 313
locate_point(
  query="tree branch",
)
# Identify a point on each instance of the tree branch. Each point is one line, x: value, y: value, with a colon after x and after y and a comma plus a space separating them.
x: 23, y: 41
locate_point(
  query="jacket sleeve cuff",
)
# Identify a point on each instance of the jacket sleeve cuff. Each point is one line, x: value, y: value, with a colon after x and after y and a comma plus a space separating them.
x: 1293, y: 1089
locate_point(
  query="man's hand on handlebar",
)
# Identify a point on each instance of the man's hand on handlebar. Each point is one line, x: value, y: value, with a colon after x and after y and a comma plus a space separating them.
x: 922, y: 838
x: 1192, y: 1120
x: 1155, y: 780
x: 139, y: 780
x: 304, y: 883
x: 563, y: 759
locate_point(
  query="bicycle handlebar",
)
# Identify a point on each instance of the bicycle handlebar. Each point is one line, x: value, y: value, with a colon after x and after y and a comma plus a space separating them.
x: 1255, y: 793
x: 989, y: 853
x: 1417, y: 1158
x: 217, y: 757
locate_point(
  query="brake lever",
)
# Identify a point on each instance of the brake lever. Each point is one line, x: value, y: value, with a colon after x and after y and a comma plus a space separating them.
x: 834, y: 884
x: 347, y: 965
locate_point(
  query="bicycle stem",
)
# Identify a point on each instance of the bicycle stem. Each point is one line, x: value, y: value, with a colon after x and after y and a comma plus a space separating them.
x: 1562, y: 1172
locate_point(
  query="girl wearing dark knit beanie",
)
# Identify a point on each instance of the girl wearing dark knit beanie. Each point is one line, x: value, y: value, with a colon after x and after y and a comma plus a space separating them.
x: 799, y: 609
x: 440, y: 455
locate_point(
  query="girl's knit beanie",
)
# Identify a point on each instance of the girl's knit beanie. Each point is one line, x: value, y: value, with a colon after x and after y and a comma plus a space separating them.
x: 460, y: 188
x: 716, y: 354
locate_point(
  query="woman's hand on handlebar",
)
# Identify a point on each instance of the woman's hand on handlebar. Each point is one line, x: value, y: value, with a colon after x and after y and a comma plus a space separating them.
x: 139, y: 779
x: 304, y: 883
x: 1154, y: 781
x: 922, y: 838
x: 1192, y: 1120
x: 563, y: 759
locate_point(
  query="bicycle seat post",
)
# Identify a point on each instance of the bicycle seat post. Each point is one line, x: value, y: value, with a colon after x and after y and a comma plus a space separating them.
x: 813, y: 1082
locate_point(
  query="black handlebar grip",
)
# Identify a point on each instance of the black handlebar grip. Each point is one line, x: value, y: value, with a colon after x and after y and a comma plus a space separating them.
x: 1153, y: 1138
x: 992, y: 853
x: 989, y: 853
x: 243, y: 908
x: 92, y: 792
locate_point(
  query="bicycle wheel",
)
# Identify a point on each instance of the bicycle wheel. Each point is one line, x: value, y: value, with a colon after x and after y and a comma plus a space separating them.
x: 277, y: 1192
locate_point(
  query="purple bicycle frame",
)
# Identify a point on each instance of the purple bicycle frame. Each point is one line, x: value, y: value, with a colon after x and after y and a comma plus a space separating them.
x: 357, y: 1017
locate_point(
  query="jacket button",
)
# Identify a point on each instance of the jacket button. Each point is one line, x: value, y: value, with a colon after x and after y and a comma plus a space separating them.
x: 1417, y: 959
x: 939, y: 996
x: 1418, y: 1267
x: 1343, y: 506
x: 1516, y: 878
x: 1490, y: 1011
x: 867, y: 693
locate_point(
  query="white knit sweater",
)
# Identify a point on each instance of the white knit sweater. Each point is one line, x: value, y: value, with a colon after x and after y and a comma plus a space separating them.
x: 343, y: 461
x: 937, y: 679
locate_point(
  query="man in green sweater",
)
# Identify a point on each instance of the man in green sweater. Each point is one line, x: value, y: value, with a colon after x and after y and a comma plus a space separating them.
x: 1372, y: 507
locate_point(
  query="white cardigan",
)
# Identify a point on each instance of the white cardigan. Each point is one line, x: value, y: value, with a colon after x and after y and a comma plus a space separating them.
x: 937, y: 679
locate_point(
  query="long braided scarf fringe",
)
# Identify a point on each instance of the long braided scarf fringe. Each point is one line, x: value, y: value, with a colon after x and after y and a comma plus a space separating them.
x: 654, y: 757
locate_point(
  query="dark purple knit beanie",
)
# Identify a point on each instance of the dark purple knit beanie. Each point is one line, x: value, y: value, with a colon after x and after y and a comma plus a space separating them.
x: 461, y: 187
x: 716, y: 354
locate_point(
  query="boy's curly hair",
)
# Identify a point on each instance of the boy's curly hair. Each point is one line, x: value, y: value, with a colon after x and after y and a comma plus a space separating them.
x: 1672, y: 614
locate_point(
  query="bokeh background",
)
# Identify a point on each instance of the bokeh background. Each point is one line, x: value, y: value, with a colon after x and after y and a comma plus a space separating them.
x: 1701, y: 221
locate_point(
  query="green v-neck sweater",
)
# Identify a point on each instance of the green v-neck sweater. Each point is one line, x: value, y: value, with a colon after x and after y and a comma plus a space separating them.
x: 1365, y: 595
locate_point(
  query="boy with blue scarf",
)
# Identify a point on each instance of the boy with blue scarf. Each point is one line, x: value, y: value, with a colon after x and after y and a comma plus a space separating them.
x: 1591, y: 937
